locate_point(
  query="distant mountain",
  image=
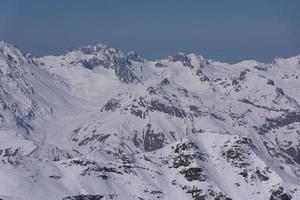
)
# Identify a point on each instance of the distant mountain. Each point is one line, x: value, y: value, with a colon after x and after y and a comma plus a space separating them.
x: 96, y: 123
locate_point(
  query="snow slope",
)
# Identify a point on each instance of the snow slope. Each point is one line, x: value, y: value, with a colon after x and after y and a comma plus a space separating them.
x: 96, y: 123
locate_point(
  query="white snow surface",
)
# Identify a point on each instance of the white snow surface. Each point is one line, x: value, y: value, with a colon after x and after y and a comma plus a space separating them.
x: 96, y: 123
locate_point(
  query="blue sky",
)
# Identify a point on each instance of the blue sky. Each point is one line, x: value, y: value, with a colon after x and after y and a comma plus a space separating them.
x: 228, y: 30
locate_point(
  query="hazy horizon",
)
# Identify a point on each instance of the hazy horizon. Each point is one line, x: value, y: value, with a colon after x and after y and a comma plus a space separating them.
x: 229, y: 32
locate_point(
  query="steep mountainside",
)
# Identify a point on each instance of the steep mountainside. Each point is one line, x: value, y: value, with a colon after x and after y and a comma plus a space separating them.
x: 96, y: 123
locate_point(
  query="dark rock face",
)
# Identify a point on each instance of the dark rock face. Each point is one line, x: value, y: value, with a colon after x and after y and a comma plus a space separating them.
x: 276, y: 153
x: 261, y: 176
x: 136, y: 141
x: 95, y: 169
x: 203, y: 77
x: 294, y: 153
x: 134, y: 57
x: 92, y: 63
x: 279, y: 194
x: 154, y: 90
x: 110, y: 59
x: 23, y: 124
x: 156, y: 105
x: 290, y: 154
x: 270, y: 82
x: 152, y: 140
x: 9, y: 152
x: 238, y: 155
x: 243, y: 74
x: 238, y: 82
x: 52, y: 153
x: 183, y: 160
x: 55, y: 177
x: 275, y: 123
x: 194, y: 174
x: 111, y: 105
x: 138, y: 113
x: 197, y: 112
x: 246, y: 101
x: 125, y: 74
x: 261, y: 68
x: 199, y: 194
x: 84, y: 197
x: 279, y: 92
x: 143, y: 106
x: 159, y: 65
x: 97, y: 137
x: 91, y: 49
x: 184, y: 155
x: 215, y: 116
x: 15, y: 85
x: 165, y: 82
x: 180, y: 57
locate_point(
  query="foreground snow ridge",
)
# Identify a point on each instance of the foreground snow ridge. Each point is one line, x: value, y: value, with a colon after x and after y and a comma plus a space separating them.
x: 96, y: 123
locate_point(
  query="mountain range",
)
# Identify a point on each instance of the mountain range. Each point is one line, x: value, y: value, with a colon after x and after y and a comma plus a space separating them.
x: 96, y: 123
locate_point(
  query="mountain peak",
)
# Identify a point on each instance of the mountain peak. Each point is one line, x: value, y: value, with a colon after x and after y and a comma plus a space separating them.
x: 4, y: 44
x: 205, y: 130
x: 96, y: 49
x: 7, y: 47
x: 90, y: 49
x: 11, y: 54
x: 133, y: 56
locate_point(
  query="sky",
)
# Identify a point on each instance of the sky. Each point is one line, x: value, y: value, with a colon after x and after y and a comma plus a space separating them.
x: 225, y: 30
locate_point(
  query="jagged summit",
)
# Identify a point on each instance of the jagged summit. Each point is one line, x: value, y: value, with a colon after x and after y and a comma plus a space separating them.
x: 97, y: 49
x: 7, y: 48
x: 133, y: 56
x: 10, y: 53
x: 96, y: 123
x: 98, y: 57
x: 4, y: 44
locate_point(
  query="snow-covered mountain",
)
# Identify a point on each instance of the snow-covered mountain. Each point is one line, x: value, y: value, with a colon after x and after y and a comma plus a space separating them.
x: 96, y: 123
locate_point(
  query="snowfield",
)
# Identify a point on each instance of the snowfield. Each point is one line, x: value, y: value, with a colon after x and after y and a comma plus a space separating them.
x: 96, y: 123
